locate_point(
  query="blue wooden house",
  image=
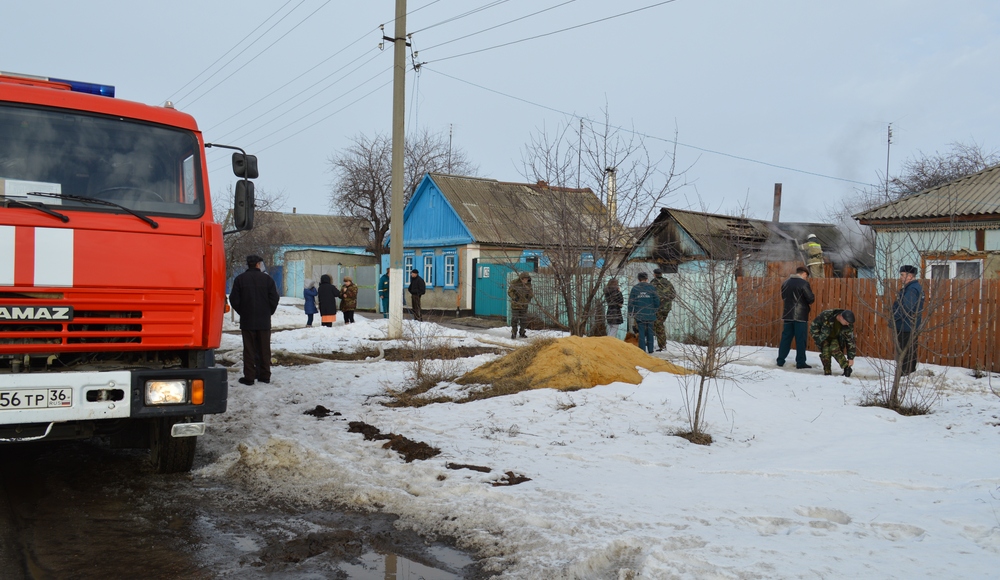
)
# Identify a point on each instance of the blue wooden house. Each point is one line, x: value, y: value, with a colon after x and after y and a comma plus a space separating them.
x: 465, y: 235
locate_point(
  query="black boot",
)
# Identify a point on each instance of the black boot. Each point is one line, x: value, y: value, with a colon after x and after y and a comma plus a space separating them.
x: 848, y: 371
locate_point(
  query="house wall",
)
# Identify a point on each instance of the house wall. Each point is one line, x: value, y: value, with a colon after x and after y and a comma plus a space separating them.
x: 302, y: 265
x: 896, y: 248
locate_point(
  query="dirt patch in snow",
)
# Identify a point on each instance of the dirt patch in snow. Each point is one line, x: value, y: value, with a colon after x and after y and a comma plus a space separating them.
x: 408, y: 448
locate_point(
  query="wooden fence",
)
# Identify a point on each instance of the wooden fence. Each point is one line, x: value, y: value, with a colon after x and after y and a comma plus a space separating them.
x: 961, y: 317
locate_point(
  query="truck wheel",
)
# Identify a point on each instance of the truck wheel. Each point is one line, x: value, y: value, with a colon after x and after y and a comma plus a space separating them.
x: 169, y: 454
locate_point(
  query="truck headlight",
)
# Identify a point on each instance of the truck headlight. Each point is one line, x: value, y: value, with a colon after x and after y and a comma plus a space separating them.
x: 166, y: 392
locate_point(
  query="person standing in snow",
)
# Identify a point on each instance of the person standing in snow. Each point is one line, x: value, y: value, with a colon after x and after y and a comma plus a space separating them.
x: 642, y: 306
x: 906, y: 317
x: 310, y: 294
x: 614, y: 301
x: 417, y: 289
x: 520, y: 293
x: 797, y: 295
x: 328, y: 295
x: 383, y: 293
x: 255, y: 298
x: 665, y: 291
x: 348, y: 299
x: 833, y: 332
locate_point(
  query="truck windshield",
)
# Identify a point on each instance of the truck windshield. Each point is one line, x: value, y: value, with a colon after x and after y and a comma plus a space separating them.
x: 147, y: 168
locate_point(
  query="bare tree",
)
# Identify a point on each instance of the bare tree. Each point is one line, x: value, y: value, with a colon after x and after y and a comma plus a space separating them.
x: 706, y: 302
x: 584, y: 242
x: 926, y: 171
x: 362, y: 187
x: 265, y: 237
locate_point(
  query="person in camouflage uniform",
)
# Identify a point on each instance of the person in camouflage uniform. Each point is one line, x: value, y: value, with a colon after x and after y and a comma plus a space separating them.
x: 833, y: 332
x: 520, y: 293
x: 665, y: 291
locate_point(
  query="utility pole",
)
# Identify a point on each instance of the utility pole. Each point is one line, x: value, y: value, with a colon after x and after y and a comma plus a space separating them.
x: 396, y: 273
x: 887, y: 146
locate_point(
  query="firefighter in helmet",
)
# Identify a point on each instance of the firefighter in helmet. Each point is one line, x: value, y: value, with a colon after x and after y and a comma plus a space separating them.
x: 814, y: 256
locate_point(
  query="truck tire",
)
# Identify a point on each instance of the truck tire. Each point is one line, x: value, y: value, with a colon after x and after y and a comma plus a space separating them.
x: 169, y: 454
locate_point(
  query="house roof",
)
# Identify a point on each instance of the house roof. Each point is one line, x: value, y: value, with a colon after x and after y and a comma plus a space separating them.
x: 302, y: 229
x: 522, y: 214
x: 722, y: 237
x: 976, y: 195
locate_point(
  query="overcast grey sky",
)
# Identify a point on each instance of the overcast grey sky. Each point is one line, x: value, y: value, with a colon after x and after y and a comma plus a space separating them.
x: 767, y: 91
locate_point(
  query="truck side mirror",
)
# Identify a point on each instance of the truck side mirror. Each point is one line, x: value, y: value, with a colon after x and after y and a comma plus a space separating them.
x: 243, y: 204
x: 245, y: 166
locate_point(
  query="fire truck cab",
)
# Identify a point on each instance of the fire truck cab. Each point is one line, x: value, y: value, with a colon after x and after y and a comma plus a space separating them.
x: 112, y: 275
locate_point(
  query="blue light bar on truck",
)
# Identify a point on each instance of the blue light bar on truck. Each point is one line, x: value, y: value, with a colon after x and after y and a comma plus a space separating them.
x: 76, y: 86
x: 92, y: 88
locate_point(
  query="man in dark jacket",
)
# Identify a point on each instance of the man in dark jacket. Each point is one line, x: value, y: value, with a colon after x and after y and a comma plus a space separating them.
x: 797, y: 295
x: 255, y: 298
x: 643, y: 304
x: 906, y: 317
x: 417, y: 289
x: 520, y: 293
x: 833, y: 332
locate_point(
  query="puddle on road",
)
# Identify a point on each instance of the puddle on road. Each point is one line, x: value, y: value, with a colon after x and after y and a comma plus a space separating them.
x: 83, y: 511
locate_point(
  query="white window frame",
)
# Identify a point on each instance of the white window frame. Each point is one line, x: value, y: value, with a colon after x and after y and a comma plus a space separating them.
x: 952, y: 267
x: 407, y: 266
x: 450, y: 270
x: 428, y: 271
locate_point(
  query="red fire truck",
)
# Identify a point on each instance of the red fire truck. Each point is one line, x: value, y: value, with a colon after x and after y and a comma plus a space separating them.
x: 112, y: 276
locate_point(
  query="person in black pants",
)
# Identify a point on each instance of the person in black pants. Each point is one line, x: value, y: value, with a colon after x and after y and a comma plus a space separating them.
x: 797, y: 295
x: 907, y: 312
x: 255, y: 298
x: 417, y: 289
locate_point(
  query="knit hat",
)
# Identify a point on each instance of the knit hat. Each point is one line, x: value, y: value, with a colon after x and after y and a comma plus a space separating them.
x: 643, y: 276
x: 848, y: 316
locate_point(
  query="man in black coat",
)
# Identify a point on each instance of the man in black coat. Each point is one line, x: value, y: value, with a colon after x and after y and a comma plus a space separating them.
x: 417, y: 289
x: 255, y: 298
x: 797, y: 295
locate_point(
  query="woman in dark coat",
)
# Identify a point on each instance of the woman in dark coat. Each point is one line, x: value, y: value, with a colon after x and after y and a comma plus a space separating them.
x: 614, y: 300
x: 310, y: 294
x: 328, y: 295
x: 348, y: 299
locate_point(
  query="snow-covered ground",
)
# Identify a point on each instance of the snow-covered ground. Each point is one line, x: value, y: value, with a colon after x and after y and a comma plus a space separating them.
x: 800, y: 482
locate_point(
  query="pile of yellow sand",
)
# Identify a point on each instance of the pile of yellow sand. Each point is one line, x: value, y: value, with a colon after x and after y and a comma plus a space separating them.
x: 572, y: 363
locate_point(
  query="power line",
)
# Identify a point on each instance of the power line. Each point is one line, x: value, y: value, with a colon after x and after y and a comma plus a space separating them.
x: 502, y: 24
x: 537, y: 36
x: 272, y: 109
x: 462, y: 15
x: 234, y: 48
x: 317, y: 109
x: 311, y: 14
x: 654, y: 137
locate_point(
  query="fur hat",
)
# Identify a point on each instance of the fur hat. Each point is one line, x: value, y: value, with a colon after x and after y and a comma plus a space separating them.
x: 657, y: 272
x: 254, y: 259
x: 908, y: 269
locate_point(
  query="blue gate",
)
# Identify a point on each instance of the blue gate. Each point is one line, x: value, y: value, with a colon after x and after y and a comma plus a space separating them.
x: 491, y: 286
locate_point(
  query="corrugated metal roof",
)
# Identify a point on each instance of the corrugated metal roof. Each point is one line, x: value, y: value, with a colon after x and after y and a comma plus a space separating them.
x: 720, y: 235
x: 520, y: 214
x: 973, y: 195
x: 302, y: 229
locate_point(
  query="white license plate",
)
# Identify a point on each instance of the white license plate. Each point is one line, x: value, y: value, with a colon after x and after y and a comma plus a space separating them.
x: 35, y: 398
